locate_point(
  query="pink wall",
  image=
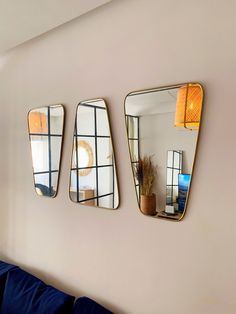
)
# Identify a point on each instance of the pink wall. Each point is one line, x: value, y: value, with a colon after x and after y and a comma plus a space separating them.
x: 131, y: 263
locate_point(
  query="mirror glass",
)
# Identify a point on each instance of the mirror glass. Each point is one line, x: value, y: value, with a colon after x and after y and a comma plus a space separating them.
x: 162, y: 128
x: 93, y: 179
x: 45, y: 133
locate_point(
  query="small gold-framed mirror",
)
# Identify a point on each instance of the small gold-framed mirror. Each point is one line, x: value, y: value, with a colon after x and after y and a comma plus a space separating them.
x: 46, y: 126
x: 163, y: 127
x: 93, y: 178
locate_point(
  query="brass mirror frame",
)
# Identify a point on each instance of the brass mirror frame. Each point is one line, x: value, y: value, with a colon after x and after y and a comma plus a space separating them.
x: 62, y: 143
x: 113, y: 152
x: 167, y: 87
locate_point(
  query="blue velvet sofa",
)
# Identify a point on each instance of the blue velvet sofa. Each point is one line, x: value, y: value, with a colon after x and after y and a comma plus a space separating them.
x: 23, y: 293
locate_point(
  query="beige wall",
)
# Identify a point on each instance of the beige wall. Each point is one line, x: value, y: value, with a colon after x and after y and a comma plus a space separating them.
x: 132, y: 263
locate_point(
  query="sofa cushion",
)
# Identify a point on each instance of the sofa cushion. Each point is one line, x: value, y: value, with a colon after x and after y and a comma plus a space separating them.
x: 26, y: 294
x: 4, y: 268
x: 85, y: 305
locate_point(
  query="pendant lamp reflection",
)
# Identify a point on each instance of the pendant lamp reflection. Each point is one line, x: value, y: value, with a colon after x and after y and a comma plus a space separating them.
x: 189, y: 106
x: 37, y: 122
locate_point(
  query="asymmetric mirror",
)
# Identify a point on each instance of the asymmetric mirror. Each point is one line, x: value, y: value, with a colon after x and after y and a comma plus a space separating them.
x: 162, y: 128
x: 93, y: 179
x: 45, y: 133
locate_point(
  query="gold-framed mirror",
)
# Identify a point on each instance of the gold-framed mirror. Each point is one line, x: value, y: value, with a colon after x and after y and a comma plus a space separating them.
x: 93, y: 178
x: 163, y: 127
x: 46, y: 127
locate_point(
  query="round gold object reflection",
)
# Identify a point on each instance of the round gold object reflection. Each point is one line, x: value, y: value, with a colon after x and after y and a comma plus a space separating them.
x: 85, y: 146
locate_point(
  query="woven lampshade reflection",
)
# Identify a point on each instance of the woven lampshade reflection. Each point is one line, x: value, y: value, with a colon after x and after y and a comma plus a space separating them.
x: 189, y: 106
x: 37, y: 123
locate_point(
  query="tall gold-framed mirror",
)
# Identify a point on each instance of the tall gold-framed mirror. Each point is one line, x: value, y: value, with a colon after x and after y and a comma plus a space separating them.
x: 46, y: 126
x: 93, y: 178
x: 163, y: 127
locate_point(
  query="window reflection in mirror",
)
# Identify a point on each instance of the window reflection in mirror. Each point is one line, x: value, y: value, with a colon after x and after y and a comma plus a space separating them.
x: 93, y: 179
x: 45, y: 133
x: 162, y: 129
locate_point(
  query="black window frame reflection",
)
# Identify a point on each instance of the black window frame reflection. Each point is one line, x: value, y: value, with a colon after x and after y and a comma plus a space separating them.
x: 44, y: 189
x: 171, y: 186
x: 97, y: 166
x: 135, y: 141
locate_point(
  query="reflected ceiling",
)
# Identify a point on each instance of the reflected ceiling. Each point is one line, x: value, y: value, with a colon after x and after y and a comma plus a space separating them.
x: 139, y: 104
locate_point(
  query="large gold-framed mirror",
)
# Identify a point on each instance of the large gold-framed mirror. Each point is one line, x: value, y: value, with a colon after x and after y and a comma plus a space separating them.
x: 163, y: 127
x: 46, y: 126
x: 93, y: 178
